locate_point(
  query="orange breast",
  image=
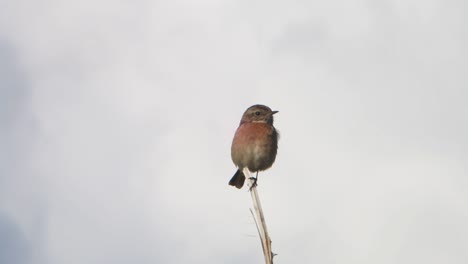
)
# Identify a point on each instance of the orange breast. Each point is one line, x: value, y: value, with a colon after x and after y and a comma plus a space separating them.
x: 254, y: 146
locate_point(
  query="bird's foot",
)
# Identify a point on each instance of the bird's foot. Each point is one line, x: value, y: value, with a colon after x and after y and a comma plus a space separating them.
x: 254, y: 184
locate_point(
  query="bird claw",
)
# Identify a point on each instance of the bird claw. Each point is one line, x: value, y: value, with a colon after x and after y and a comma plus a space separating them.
x: 254, y: 184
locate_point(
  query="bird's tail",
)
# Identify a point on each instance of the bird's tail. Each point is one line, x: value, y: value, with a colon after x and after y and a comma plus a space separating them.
x: 238, y: 179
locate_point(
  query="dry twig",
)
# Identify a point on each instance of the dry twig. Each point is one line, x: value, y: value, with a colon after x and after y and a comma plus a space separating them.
x: 259, y: 218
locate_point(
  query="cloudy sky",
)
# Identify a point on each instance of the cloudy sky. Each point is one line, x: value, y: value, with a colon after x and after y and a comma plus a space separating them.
x: 116, y: 119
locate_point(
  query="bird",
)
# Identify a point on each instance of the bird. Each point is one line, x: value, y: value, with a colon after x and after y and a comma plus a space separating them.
x: 255, y: 143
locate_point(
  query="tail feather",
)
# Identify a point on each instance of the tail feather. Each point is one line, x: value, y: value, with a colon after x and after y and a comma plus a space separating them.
x: 238, y: 179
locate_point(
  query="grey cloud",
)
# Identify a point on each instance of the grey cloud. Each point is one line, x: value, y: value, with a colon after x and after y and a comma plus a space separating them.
x: 14, y: 247
x: 117, y: 121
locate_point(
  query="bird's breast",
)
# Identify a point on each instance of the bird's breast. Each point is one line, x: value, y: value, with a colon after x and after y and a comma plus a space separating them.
x: 254, y: 146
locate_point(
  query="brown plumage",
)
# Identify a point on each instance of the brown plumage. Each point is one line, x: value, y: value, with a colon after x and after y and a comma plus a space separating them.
x: 255, y: 143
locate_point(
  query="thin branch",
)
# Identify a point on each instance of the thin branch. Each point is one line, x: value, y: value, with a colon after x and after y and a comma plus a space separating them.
x: 259, y: 218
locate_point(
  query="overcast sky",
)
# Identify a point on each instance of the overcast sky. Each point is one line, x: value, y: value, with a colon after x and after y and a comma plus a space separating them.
x: 116, y: 120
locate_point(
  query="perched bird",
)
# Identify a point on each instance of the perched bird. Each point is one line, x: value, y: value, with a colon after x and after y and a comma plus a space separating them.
x: 255, y: 143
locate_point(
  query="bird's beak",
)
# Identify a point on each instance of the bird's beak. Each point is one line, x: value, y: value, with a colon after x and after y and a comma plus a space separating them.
x: 274, y: 112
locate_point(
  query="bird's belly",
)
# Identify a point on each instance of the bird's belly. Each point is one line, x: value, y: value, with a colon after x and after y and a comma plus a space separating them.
x: 257, y: 157
x: 254, y: 152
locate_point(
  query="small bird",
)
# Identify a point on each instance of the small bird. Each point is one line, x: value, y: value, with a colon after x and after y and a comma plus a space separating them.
x: 255, y: 143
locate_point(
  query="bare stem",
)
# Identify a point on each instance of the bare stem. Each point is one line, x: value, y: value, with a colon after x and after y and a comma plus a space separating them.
x: 259, y: 218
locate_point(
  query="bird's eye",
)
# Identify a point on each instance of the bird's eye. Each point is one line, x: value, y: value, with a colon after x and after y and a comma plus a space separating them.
x: 257, y: 113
